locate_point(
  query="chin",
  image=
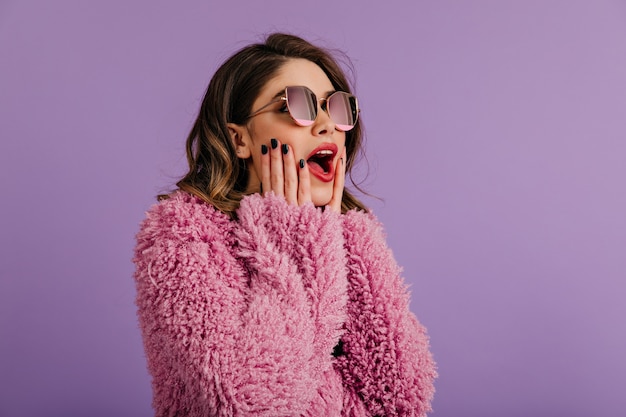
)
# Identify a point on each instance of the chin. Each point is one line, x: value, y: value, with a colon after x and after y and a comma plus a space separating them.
x: 321, y: 196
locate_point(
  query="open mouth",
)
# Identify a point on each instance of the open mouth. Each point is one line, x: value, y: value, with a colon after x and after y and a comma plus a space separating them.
x: 321, y: 161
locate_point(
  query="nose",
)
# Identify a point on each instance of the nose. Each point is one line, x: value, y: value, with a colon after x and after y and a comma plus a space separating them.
x: 323, y: 125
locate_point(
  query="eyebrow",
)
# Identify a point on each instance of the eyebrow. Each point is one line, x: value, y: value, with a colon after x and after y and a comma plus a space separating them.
x: 279, y: 94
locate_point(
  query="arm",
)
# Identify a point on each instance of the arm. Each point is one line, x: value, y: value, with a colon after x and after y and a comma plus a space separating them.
x: 226, y: 314
x: 313, y: 240
x: 386, y: 362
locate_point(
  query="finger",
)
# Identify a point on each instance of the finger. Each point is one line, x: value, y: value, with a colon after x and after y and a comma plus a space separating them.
x: 340, y: 180
x: 290, y: 174
x: 304, y: 183
x: 265, y: 170
x: 276, y: 168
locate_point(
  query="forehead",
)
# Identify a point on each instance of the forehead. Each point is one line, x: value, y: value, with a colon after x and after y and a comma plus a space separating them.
x: 297, y: 72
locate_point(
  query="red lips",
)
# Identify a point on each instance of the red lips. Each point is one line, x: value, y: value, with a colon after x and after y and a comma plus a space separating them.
x: 321, y: 162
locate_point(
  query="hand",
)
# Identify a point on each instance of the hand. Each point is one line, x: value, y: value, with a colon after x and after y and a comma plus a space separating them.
x: 282, y: 175
x: 340, y: 180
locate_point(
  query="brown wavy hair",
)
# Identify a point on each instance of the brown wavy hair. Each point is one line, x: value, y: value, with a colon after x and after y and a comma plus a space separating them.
x: 215, y: 174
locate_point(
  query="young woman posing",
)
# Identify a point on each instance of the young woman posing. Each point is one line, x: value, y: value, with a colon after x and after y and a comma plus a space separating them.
x: 264, y: 288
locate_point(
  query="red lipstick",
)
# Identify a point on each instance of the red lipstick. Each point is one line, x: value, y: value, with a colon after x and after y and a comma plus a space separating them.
x: 321, y: 162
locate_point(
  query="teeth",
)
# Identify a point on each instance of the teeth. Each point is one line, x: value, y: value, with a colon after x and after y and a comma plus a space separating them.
x: 325, y: 152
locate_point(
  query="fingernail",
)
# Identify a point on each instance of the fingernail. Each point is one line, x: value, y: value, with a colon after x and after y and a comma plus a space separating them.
x: 262, y: 183
x: 263, y: 149
x: 285, y: 148
x: 302, y: 163
x: 274, y: 143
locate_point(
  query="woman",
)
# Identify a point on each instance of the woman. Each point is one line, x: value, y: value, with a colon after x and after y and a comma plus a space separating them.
x: 264, y: 288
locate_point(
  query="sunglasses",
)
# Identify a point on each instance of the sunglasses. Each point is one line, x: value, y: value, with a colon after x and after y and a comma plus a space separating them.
x: 342, y: 107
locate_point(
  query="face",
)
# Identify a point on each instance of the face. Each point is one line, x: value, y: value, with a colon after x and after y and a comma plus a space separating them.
x: 275, y: 122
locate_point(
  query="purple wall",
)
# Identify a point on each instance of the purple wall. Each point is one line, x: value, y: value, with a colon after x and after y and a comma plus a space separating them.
x: 496, y: 135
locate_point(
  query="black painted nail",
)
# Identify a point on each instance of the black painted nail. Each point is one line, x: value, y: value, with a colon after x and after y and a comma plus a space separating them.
x: 262, y: 184
x: 274, y: 143
x: 285, y: 148
x: 263, y: 149
x: 302, y: 163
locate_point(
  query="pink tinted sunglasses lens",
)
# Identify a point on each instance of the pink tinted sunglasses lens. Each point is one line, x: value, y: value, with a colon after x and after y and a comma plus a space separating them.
x: 302, y: 105
x: 342, y: 108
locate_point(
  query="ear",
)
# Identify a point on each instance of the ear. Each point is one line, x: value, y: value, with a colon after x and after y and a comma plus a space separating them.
x: 241, y: 139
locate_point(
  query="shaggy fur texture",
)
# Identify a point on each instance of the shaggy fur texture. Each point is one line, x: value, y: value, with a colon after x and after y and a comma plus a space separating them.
x: 244, y: 318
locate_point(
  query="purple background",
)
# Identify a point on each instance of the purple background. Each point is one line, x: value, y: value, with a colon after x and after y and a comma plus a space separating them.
x: 496, y: 136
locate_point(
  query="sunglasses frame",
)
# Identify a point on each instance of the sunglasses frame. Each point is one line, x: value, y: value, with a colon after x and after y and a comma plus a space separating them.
x: 323, y: 106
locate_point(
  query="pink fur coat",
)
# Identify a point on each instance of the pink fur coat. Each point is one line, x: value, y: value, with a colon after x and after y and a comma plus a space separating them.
x: 287, y: 311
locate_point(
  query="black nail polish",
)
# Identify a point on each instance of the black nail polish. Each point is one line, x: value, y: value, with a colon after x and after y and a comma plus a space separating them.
x: 263, y: 149
x: 262, y: 183
x: 274, y: 143
x: 285, y: 148
x: 302, y: 163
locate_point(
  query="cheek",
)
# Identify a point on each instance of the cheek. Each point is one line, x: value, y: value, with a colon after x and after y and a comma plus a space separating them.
x: 262, y: 133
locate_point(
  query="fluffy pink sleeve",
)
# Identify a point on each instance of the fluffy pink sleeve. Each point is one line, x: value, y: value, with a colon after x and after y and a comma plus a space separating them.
x: 386, y: 364
x: 239, y: 318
